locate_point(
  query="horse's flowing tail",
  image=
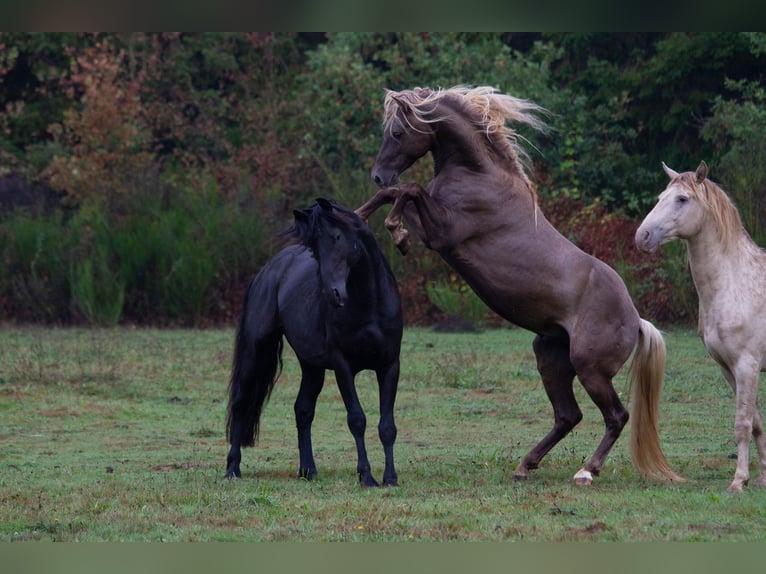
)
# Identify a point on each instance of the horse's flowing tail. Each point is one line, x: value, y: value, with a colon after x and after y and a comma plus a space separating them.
x: 646, y: 373
x: 255, y: 369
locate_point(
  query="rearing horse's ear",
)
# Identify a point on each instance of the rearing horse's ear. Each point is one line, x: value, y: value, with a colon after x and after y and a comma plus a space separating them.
x: 701, y: 172
x: 671, y: 174
x: 397, y: 97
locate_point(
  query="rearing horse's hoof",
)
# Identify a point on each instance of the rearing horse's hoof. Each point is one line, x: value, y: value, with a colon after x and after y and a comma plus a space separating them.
x: 583, y: 478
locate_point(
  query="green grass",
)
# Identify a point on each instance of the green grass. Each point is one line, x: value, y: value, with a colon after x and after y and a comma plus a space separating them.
x: 118, y: 434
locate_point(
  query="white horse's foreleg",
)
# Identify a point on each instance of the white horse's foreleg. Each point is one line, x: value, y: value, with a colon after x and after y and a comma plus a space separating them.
x: 746, y: 377
x: 760, y: 443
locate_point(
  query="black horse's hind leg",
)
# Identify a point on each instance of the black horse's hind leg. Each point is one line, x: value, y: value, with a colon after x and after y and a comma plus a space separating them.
x: 558, y: 375
x: 388, y: 381
x: 234, y: 458
x: 240, y: 405
x: 312, y: 381
x: 357, y: 423
x: 253, y: 377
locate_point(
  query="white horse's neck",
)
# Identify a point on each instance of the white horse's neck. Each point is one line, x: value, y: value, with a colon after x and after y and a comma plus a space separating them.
x: 718, y: 267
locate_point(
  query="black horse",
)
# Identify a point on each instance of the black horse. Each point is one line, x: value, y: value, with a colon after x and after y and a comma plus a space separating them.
x: 335, y: 299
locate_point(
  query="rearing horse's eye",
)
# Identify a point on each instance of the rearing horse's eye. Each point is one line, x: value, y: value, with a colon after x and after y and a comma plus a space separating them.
x: 397, y: 133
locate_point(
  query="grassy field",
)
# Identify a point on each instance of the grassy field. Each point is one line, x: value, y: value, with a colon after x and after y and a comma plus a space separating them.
x: 118, y: 435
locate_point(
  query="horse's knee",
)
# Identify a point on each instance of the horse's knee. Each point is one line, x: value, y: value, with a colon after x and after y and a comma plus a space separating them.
x: 387, y: 432
x: 357, y: 422
x: 566, y: 421
x: 304, y: 414
x: 742, y: 431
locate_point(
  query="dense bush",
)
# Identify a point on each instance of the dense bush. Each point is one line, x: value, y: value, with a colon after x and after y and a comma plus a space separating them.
x: 166, y: 162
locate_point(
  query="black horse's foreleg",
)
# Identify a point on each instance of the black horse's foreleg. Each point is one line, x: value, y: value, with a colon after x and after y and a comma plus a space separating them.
x: 388, y: 381
x: 357, y: 423
x: 312, y: 381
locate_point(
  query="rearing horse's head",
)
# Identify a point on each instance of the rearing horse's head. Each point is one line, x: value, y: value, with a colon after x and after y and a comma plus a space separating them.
x: 408, y: 132
x: 334, y: 241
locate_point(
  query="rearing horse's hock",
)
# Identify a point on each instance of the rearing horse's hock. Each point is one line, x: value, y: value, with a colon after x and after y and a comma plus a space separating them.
x: 480, y: 213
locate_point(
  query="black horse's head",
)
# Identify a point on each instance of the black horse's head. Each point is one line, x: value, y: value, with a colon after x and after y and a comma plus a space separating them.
x: 332, y: 234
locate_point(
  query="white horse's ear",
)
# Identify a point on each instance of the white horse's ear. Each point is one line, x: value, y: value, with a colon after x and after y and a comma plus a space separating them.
x: 671, y: 174
x: 701, y: 172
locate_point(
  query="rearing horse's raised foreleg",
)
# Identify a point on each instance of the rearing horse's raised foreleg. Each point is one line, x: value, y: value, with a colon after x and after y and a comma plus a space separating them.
x: 430, y: 220
x: 393, y: 220
x: 383, y: 197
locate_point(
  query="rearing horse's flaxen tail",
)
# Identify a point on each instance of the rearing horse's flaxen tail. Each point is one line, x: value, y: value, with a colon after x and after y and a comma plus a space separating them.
x: 646, y: 373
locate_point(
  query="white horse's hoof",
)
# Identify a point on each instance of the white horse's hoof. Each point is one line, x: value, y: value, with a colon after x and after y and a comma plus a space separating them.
x: 583, y: 478
x: 735, y: 487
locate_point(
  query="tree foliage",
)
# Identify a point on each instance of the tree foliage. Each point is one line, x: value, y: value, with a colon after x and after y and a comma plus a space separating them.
x: 240, y: 128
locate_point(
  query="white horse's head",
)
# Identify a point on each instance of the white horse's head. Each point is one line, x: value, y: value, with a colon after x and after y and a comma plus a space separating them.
x: 680, y: 210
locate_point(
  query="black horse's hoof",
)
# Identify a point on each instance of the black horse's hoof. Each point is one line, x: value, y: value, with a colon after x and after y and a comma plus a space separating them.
x: 307, y: 473
x: 230, y: 475
x: 367, y: 481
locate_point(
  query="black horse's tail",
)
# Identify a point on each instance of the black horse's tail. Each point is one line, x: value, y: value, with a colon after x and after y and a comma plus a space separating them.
x: 255, y: 369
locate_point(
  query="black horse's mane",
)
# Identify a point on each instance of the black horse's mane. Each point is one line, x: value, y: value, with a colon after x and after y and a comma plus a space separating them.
x: 308, y: 221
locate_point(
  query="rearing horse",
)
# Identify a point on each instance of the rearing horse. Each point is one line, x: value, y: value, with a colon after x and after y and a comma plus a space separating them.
x: 480, y: 213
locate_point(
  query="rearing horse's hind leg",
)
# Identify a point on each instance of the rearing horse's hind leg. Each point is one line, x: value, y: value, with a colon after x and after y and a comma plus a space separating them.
x: 599, y: 387
x: 312, y: 381
x: 558, y: 374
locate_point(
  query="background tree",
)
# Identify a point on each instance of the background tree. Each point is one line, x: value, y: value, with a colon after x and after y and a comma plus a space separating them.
x: 164, y: 164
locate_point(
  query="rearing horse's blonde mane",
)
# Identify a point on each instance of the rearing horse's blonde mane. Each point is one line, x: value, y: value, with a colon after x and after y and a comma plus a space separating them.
x: 714, y: 199
x: 485, y: 107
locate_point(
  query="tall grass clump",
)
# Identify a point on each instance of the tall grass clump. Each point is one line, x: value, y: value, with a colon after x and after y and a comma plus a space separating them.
x: 458, y: 301
x: 156, y: 258
x: 33, y: 284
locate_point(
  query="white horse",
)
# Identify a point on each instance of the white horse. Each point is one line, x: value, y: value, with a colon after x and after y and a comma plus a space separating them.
x: 729, y: 272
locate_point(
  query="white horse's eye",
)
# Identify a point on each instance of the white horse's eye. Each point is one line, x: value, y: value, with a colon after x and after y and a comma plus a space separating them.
x: 682, y: 198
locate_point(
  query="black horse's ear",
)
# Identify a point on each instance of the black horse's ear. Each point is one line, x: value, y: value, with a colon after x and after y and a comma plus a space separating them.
x: 300, y: 215
x: 324, y: 203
